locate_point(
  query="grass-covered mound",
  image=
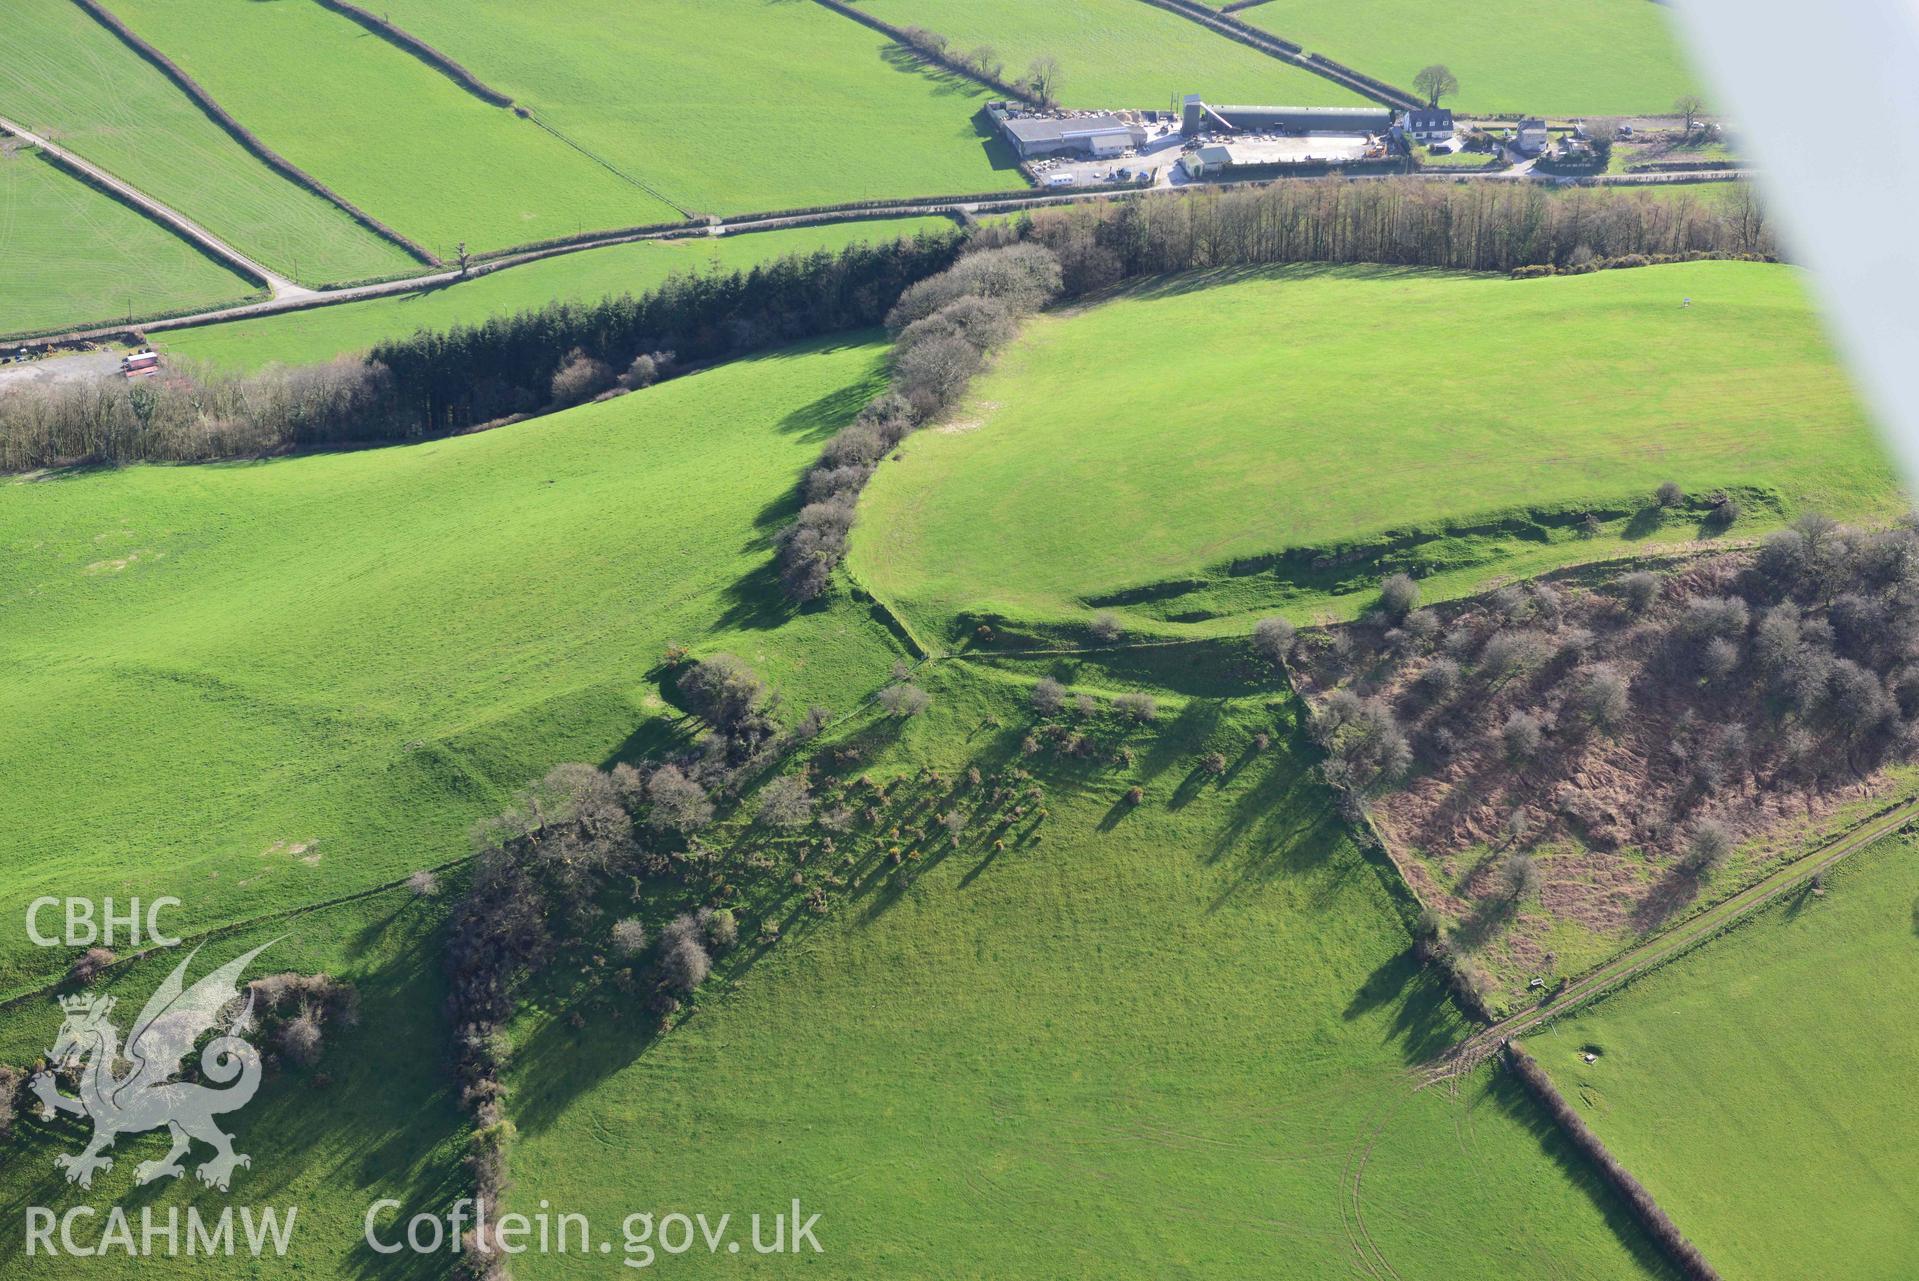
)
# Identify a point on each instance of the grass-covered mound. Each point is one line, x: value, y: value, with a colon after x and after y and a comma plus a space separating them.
x: 70, y: 254
x: 321, y: 333
x: 1760, y: 1087
x: 1456, y: 423
x: 1117, y: 53
x: 262, y: 684
x: 1090, y: 1034
x: 1594, y: 58
x: 730, y: 106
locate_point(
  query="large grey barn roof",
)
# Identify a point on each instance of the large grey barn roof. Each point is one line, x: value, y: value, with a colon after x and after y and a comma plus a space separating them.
x: 1337, y: 119
x: 1056, y: 129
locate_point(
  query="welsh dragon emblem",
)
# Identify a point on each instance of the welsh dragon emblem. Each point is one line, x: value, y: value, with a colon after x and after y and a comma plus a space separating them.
x: 130, y: 1091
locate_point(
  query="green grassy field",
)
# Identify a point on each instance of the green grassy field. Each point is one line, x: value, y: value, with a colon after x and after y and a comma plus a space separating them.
x: 1430, y: 159
x: 1210, y: 418
x: 256, y: 685
x: 730, y: 106
x: 321, y: 333
x: 64, y: 76
x: 1592, y: 57
x: 386, y: 131
x: 1118, y: 53
x: 1760, y: 1087
x: 70, y: 255
x: 382, y: 1123
x: 1164, y: 1040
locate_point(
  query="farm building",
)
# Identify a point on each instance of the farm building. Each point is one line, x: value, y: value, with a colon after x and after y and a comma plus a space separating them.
x: 1218, y: 161
x: 1212, y: 159
x: 1427, y: 124
x: 1092, y: 135
x: 1198, y: 116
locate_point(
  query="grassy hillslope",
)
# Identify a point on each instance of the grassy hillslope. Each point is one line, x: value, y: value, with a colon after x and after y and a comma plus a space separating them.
x: 1138, y: 1041
x: 259, y: 684
x: 70, y: 255
x: 67, y: 78
x: 730, y: 106
x: 389, y: 133
x: 1214, y: 417
x: 321, y: 333
x: 1118, y: 53
x: 1761, y: 1087
x: 1592, y: 57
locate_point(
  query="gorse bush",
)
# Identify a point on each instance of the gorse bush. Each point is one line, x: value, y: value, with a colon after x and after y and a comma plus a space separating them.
x: 1048, y: 696
x: 1273, y: 639
x: 1398, y: 596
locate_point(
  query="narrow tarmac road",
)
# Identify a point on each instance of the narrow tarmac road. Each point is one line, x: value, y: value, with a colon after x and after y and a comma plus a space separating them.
x: 279, y: 286
x: 288, y: 296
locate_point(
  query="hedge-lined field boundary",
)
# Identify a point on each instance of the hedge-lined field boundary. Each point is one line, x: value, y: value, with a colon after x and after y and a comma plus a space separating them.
x: 901, y: 37
x: 410, y: 43
x: 1684, y: 1254
x: 233, y: 262
x: 245, y: 136
x: 1682, y: 166
x: 1224, y: 23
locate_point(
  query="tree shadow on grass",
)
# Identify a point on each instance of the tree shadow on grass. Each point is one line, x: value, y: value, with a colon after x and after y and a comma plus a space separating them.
x: 1675, y: 890
x: 945, y: 82
x: 1645, y: 522
x: 1197, y: 718
x: 819, y: 420
x: 1423, y: 1023
x: 655, y: 738
x: 1183, y: 283
x: 1800, y: 899
x: 755, y: 601
x: 1489, y: 918
x: 1504, y: 1090
x: 560, y: 1063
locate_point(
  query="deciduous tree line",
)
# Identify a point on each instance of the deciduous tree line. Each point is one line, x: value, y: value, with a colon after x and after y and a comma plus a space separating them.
x: 1474, y: 226
x: 438, y: 382
x: 944, y: 328
x: 556, y: 870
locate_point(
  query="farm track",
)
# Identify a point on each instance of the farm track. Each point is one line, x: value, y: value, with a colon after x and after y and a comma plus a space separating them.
x: 282, y: 289
x: 293, y: 297
x: 1655, y: 952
